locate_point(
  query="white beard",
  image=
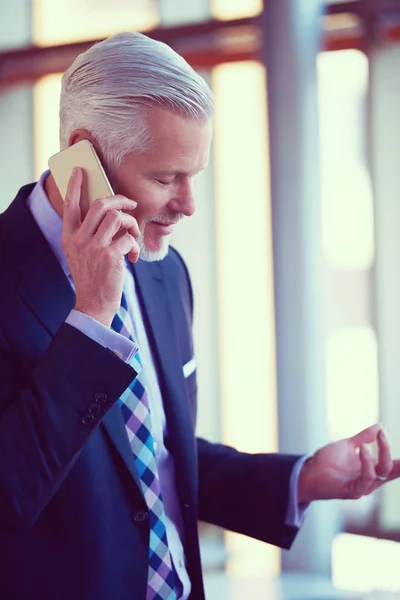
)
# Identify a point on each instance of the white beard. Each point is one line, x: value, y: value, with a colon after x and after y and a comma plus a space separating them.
x: 153, y: 255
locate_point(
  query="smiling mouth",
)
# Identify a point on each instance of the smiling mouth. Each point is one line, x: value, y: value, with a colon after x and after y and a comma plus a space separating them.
x: 164, y: 228
x: 164, y: 221
x: 169, y: 224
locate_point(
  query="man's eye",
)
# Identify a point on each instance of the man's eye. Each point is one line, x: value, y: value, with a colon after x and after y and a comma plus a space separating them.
x: 163, y: 181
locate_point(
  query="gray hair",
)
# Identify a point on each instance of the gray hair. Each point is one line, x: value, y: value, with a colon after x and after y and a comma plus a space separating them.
x: 109, y: 89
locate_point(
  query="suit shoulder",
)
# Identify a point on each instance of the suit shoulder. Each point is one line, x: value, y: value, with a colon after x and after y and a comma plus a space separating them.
x: 11, y: 236
x: 21, y: 196
x: 1, y: 240
x: 3, y: 262
x: 8, y: 281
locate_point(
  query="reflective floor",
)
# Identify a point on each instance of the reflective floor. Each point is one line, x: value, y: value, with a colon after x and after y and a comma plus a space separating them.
x: 221, y: 587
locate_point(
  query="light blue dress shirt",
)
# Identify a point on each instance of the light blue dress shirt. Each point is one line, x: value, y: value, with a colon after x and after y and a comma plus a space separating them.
x: 50, y: 224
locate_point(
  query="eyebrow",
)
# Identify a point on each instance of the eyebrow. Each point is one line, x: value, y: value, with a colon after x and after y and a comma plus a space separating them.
x: 177, y: 172
x: 167, y: 173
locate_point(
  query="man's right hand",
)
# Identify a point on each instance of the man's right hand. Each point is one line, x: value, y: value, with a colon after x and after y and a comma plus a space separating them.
x: 96, y: 247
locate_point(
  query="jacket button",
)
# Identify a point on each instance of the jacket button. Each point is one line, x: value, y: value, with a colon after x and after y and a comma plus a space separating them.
x: 93, y: 408
x: 101, y: 398
x: 87, y: 419
x: 140, y: 516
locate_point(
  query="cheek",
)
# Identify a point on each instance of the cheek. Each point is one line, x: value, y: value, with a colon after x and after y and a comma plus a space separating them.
x: 152, y: 200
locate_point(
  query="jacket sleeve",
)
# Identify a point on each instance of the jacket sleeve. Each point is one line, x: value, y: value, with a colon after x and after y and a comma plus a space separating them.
x: 46, y: 419
x: 245, y: 493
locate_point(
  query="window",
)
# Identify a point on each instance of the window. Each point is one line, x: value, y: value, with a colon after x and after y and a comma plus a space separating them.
x: 245, y: 288
x: 57, y: 22
x: 348, y: 222
x: 352, y: 380
x: 234, y: 9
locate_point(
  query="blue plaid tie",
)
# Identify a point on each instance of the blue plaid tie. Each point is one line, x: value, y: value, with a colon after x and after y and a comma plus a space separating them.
x: 136, y: 413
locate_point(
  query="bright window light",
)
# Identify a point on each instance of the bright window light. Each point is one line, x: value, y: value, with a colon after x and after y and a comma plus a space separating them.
x: 59, y: 22
x: 243, y: 225
x: 46, y: 101
x: 352, y: 381
x: 245, y: 287
x: 347, y: 202
x: 235, y: 9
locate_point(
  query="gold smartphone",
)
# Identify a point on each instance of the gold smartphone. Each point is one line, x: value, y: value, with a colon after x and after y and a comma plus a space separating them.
x: 95, y: 181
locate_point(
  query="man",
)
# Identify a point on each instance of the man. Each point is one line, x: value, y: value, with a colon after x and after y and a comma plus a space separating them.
x: 102, y: 480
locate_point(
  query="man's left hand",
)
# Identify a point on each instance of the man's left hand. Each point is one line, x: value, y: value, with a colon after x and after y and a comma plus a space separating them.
x: 347, y: 469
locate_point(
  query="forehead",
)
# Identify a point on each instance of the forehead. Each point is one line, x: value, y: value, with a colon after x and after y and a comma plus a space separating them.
x: 178, y: 137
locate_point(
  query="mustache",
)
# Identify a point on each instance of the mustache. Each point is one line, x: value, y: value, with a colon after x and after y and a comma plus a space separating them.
x: 166, y: 219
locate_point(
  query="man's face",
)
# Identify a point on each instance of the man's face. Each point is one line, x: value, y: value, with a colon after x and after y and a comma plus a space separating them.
x: 161, y: 179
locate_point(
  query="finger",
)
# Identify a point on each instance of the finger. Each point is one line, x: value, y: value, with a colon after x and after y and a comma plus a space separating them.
x: 71, y: 205
x: 367, y: 478
x: 385, y: 462
x: 134, y: 254
x: 100, y: 208
x: 126, y: 244
x: 114, y: 222
x: 367, y: 436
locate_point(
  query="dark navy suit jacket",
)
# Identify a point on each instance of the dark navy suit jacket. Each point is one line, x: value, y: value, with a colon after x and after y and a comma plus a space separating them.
x: 73, y: 523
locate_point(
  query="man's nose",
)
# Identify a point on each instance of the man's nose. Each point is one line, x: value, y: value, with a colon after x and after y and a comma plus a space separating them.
x: 184, y: 201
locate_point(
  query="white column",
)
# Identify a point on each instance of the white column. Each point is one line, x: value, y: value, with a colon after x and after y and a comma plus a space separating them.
x: 385, y: 152
x: 291, y: 43
x: 16, y: 121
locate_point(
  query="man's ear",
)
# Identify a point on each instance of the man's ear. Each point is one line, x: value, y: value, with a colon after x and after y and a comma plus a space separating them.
x: 82, y: 134
x: 78, y: 135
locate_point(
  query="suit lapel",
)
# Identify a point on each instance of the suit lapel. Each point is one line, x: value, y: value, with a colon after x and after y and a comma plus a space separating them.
x: 156, y: 306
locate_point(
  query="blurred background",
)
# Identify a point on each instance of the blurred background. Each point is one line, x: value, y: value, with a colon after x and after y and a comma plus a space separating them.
x: 293, y: 252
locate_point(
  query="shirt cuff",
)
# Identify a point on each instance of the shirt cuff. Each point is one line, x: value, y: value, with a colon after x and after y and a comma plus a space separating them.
x: 108, y: 338
x: 296, y: 512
